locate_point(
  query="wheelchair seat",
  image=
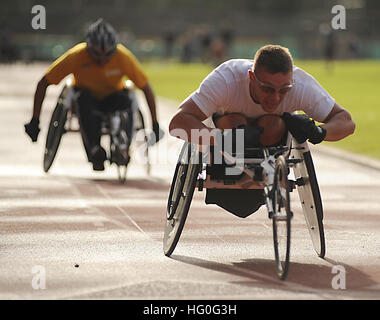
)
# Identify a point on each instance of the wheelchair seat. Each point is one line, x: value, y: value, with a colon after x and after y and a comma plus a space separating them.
x: 240, y: 202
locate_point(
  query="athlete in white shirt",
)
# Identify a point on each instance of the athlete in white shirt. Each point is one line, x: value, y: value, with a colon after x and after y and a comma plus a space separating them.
x: 239, y: 90
x: 259, y: 96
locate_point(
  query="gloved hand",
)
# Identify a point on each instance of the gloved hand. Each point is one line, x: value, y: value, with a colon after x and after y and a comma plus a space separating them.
x: 32, y: 129
x: 156, y: 135
x: 303, y: 128
x: 251, y: 136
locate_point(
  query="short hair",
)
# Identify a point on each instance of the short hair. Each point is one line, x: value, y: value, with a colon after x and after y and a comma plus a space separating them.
x: 274, y: 59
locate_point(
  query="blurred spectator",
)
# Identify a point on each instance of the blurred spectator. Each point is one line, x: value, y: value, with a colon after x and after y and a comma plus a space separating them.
x: 8, y: 52
x: 201, y: 42
x: 330, y: 50
x: 227, y: 36
x: 353, y: 46
x: 169, y: 38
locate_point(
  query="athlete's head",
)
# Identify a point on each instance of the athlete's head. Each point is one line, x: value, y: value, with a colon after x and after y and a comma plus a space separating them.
x: 271, y: 77
x: 101, y: 41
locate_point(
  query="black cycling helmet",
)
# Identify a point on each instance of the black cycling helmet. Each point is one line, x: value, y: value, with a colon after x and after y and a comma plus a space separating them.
x: 101, y: 39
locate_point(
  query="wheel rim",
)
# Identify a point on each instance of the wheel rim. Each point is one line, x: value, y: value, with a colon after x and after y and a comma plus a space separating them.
x: 176, y: 215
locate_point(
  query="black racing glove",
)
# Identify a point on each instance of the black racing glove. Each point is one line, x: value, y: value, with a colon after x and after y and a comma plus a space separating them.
x: 32, y: 129
x: 251, y: 136
x: 156, y: 135
x: 303, y: 128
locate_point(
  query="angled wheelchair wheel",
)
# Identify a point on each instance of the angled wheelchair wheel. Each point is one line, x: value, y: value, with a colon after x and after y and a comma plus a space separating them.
x: 141, y: 140
x: 180, y: 196
x: 310, y: 197
x: 56, y: 130
x: 281, y: 217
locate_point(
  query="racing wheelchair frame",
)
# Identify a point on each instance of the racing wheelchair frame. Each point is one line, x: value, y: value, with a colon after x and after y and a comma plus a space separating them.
x: 268, y: 172
x: 112, y: 124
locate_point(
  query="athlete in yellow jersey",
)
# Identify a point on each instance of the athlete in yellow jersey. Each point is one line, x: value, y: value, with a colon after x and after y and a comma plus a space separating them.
x: 99, y: 67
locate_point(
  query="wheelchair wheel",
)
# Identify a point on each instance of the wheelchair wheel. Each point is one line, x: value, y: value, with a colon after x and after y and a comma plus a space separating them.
x: 141, y: 140
x: 119, y: 142
x: 281, y: 217
x: 122, y: 173
x: 55, y: 132
x: 180, y: 196
x: 310, y: 197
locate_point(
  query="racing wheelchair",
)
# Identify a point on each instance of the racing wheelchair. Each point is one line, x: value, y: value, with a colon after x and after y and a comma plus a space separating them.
x: 114, y: 125
x: 267, y: 170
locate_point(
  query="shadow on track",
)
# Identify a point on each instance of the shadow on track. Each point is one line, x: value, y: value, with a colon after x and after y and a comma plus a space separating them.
x: 313, y: 276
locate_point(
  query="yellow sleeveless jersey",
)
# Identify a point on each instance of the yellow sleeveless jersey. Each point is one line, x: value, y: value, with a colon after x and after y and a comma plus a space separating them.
x: 99, y: 80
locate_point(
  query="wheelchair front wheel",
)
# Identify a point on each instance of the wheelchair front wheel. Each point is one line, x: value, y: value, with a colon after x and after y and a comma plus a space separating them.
x: 310, y: 198
x: 281, y: 217
x: 180, y: 196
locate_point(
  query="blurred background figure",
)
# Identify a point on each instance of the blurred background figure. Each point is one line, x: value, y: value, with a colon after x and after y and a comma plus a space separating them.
x: 169, y: 38
x: 203, y: 43
x: 8, y: 51
x: 330, y: 50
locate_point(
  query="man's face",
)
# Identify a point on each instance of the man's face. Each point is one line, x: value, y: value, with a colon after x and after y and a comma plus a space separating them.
x: 100, y: 58
x: 269, y: 89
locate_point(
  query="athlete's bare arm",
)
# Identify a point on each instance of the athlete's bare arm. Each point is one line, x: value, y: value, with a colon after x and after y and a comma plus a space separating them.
x: 39, y: 97
x: 150, y: 99
x: 338, y: 124
x: 189, y: 117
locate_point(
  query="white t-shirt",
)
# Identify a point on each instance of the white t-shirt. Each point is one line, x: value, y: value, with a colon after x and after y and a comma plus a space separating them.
x: 226, y: 90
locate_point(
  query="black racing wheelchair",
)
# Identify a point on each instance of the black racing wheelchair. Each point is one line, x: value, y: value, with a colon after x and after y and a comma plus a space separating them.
x: 267, y: 170
x: 114, y: 125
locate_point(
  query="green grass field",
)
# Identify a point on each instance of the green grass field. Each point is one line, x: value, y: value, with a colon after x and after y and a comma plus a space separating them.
x: 354, y: 84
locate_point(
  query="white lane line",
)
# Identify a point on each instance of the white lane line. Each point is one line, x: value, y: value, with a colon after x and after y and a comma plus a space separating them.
x: 100, y: 189
x: 99, y: 226
x: 87, y: 204
x: 76, y: 202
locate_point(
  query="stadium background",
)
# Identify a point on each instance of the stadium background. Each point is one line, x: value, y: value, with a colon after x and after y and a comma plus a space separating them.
x: 181, y: 28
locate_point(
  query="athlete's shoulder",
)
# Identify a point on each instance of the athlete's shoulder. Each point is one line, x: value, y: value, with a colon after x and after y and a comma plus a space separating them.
x: 235, y: 67
x: 123, y: 50
x: 78, y: 48
x: 234, y: 70
x: 236, y: 64
x: 301, y: 77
